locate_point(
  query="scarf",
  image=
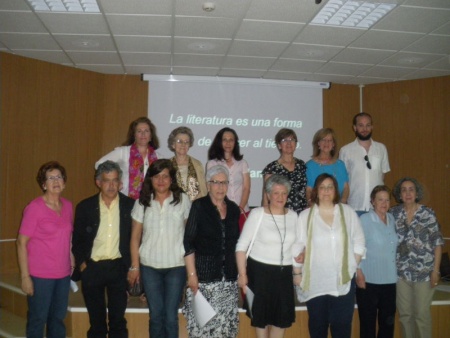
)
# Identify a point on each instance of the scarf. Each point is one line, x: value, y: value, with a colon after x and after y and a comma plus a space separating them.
x: 191, y: 186
x: 345, y: 276
x: 136, y: 173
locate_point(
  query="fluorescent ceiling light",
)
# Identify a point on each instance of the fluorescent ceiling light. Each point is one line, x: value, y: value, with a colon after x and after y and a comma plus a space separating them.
x: 347, y: 13
x: 73, y: 6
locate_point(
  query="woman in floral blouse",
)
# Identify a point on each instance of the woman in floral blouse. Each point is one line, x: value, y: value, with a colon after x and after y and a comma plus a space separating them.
x: 418, y: 258
x: 291, y: 167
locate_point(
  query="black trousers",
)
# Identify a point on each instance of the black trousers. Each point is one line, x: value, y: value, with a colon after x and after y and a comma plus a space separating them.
x: 104, y: 285
x: 376, y: 300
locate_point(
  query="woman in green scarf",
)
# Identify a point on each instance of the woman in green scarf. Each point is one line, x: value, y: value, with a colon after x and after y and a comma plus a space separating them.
x: 331, y: 236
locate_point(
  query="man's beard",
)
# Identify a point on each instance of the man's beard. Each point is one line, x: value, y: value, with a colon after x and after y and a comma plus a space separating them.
x: 362, y: 137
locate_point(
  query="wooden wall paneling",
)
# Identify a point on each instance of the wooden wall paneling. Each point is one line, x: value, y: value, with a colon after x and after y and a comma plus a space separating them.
x: 125, y: 99
x: 412, y: 119
x: 48, y: 112
x: 340, y: 104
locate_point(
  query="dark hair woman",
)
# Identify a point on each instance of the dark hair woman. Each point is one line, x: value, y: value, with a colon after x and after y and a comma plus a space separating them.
x: 135, y: 156
x: 157, y: 251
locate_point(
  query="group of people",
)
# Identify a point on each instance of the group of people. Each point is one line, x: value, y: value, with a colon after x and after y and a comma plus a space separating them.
x: 324, y: 233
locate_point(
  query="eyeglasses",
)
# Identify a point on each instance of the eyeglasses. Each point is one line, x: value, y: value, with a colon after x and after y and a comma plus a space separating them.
x: 285, y: 140
x: 54, y: 178
x: 368, y: 162
x: 186, y: 143
x: 326, y: 187
x: 219, y: 183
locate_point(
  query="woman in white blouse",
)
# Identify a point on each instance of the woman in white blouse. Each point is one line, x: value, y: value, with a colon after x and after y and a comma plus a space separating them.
x: 333, y: 240
x: 135, y: 155
x: 157, y: 252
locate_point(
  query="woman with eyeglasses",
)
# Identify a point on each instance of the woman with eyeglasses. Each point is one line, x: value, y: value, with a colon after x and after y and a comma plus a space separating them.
x: 331, y: 235
x: 291, y: 167
x: 419, y: 255
x: 212, y: 231
x: 189, y: 171
x: 225, y: 151
x: 264, y: 258
x: 159, y: 218
x: 135, y: 155
x: 43, y: 250
x: 325, y: 160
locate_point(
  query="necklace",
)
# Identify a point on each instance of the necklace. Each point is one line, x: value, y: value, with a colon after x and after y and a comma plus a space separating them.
x: 282, y: 238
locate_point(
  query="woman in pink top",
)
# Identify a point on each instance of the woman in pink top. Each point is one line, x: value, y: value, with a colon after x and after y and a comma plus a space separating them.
x: 225, y: 151
x: 43, y: 248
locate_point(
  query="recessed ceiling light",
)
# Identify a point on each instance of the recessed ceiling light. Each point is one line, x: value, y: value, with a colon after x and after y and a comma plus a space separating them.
x: 201, y: 46
x: 410, y: 60
x: 73, y: 6
x: 86, y: 43
x: 347, y: 13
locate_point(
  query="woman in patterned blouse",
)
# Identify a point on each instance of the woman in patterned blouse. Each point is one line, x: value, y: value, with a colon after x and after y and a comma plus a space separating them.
x: 418, y: 258
x: 293, y: 168
x: 190, y: 173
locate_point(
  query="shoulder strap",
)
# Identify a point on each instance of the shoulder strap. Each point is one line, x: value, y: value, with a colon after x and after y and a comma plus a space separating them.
x: 256, y: 232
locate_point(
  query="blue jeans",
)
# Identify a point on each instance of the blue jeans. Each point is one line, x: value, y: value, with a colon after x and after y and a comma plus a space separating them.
x: 163, y: 289
x: 333, y: 312
x: 48, y: 306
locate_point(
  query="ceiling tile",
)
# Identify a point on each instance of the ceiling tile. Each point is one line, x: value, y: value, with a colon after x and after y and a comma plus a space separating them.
x: 201, y: 46
x: 29, y: 41
x: 286, y: 10
x: 152, y: 44
x: 443, y: 64
x: 205, y: 27
x: 21, y: 5
x: 142, y: 59
x: 241, y: 72
x: 359, y: 55
x: 331, y: 36
x: 95, y: 58
x: 343, y: 68
x: 16, y: 22
x: 196, y: 60
x: 193, y: 71
x: 248, y: 62
x: 436, y: 44
x: 57, y: 57
x: 385, y: 40
x: 268, y: 31
x: 154, y: 7
x: 257, y: 48
x: 411, y: 19
x: 310, y: 52
x: 414, y: 60
x: 293, y: 76
x: 388, y: 72
x: 140, y: 25
x: 424, y: 73
x: 291, y: 65
x: 76, y: 42
x: 160, y: 70
x: 74, y: 23
x: 224, y: 8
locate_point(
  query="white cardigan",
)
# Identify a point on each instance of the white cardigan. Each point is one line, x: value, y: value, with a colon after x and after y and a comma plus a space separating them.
x: 121, y: 155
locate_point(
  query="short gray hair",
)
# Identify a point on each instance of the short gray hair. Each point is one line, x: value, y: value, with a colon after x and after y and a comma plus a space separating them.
x: 277, y: 180
x: 107, y: 167
x: 215, y: 170
x: 397, y: 191
x: 180, y: 130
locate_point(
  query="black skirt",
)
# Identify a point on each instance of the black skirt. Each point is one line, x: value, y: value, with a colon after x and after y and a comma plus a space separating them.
x: 274, y: 294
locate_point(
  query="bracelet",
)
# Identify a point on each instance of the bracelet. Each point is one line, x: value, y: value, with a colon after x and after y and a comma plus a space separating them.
x: 132, y: 268
x: 191, y: 274
x: 25, y: 277
x: 297, y: 274
x: 438, y: 272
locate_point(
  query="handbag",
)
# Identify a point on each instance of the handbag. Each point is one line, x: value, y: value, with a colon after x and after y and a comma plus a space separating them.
x: 137, y: 289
